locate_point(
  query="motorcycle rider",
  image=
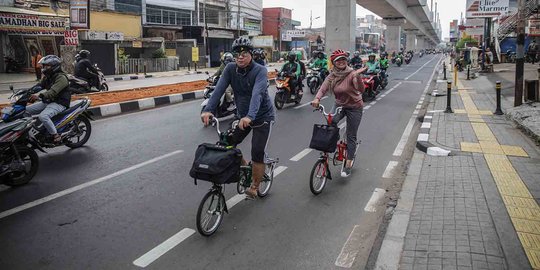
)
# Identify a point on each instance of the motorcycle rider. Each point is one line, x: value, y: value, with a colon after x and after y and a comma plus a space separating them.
x: 226, y: 58
x: 248, y: 81
x: 258, y: 56
x: 356, y: 61
x: 373, y: 67
x: 303, y: 71
x: 347, y: 86
x: 85, y: 70
x: 57, y: 97
x: 294, y: 70
x: 322, y: 63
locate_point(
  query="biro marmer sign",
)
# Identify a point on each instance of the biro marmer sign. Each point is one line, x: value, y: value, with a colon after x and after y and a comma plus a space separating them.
x: 487, y: 8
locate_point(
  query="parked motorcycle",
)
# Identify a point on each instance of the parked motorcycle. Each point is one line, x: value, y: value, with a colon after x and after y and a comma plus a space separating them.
x: 224, y: 108
x: 12, y: 65
x: 82, y: 86
x: 18, y: 162
x: 73, y: 124
x: 314, y: 80
x: 284, y: 93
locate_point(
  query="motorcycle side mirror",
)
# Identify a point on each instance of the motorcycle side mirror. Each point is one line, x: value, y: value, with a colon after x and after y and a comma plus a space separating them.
x: 11, y: 88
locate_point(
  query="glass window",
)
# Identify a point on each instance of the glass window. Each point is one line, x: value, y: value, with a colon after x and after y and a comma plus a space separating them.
x: 157, y: 15
x: 153, y: 15
x: 134, y: 6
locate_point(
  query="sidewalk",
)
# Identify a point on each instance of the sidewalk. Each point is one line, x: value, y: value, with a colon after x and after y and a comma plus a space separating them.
x: 477, y: 208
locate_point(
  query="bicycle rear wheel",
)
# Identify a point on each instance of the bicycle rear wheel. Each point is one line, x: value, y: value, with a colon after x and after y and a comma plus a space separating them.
x: 210, y: 213
x: 318, y: 177
x: 268, y: 179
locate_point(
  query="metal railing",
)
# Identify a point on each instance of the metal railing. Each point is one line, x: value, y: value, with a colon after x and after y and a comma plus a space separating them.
x: 510, y: 24
x: 142, y: 65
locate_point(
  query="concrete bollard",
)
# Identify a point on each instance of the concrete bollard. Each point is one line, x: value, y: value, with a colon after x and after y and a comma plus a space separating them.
x: 498, y: 111
x: 449, y: 97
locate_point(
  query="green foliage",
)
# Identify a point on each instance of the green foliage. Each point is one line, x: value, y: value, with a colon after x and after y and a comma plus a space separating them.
x: 122, y: 54
x: 471, y: 42
x: 159, y: 53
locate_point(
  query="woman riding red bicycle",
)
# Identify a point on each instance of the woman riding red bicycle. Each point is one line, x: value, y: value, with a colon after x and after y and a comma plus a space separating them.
x: 347, y: 86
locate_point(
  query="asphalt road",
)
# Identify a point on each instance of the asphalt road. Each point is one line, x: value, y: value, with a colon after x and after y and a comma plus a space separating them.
x: 105, y: 205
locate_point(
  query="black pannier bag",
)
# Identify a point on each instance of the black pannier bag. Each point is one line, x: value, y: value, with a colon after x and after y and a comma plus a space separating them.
x: 216, y: 164
x: 324, y: 138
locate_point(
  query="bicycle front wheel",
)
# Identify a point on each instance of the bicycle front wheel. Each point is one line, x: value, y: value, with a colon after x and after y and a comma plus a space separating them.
x: 318, y: 177
x: 210, y: 213
x: 268, y: 179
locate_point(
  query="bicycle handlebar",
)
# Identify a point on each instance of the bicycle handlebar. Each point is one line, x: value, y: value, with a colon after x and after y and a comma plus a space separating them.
x: 322, y: 110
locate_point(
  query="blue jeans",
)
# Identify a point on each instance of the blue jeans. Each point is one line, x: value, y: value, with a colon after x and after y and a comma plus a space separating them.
x: 46, y: 112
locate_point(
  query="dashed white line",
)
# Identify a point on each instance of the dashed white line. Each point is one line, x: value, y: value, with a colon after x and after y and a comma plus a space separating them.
x: 279, y: 170
x: 85, y: 185
x: 377, y: 195
x: 367, y: 107
x: 404, y: 138
x: 379, y: 98
x: 406, y: 78
x: 388, y: 171
x: 373, y: 103
x: 350, y: 249
x: 307, y: 104
x: 302, y: 154
x: 162, y: 248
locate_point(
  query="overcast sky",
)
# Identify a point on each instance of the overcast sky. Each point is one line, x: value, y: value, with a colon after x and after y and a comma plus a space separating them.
x: 448, y: 10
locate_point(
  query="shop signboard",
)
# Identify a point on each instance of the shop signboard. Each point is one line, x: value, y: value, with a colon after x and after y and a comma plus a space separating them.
x: 79, y: 14
x: 71, y: 37
x: 263, y: 41
x: 32, y: 24
x: 296, y: 33
x: 534, y: 28
x: 253, y: 25
x: 99, y: 35
x: 487, y: 8
x: 285, y: 37
x: 474, y: 27
x: 195, y: 54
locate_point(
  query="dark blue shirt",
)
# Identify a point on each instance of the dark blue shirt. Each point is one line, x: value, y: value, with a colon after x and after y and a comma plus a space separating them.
x: 250, y: 92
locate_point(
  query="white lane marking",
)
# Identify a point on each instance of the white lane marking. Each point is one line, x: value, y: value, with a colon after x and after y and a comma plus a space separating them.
x: 426, y: 125
x: 388, y: 171
x: 302, y: 154
x: 418, y: 107
x: 367, y: 107
x: 350, y: 249
x: 383, y: 95
x: 373, y: 103
x: 428, y: 117
x: 279, y: 170
x: 235, y: 200
x: 404, y: 138
x: 85, y: 185
x: 162, y: 248
x: 379, y: 98
x: 406, y: 78
x: 308, y: 103
x: 378, y: 194
x: 416, y: 112
x: 423, y: 137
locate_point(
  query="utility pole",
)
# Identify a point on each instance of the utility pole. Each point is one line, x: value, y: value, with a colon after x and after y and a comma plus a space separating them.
x: 520, y: 61
x: 206, y: 36
x: 238, y: 19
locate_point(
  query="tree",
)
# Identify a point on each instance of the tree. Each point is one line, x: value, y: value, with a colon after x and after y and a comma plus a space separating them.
x: 159, y: 53
x: 467, y: 41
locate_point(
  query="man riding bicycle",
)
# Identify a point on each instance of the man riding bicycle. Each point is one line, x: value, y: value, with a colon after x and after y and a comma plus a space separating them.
x: 248, y: 81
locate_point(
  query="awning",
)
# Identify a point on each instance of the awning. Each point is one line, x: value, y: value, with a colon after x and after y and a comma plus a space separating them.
x: 29, y: 22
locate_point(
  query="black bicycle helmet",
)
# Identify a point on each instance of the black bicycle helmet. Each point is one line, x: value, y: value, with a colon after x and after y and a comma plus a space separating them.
x: 51, y: 64
x: 291, y: 56
x: 242, y: 44
x: 84, y: 53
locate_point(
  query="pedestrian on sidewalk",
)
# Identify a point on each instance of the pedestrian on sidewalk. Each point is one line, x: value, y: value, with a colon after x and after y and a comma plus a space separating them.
x: 36, y: 56
x: 531, y: 51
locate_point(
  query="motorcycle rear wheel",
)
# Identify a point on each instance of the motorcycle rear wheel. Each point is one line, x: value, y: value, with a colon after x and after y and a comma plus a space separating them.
x: 85, y: 133
x: 22, y: 178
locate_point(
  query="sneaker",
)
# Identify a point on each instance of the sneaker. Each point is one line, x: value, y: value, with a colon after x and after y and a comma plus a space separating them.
x: 346, y: 172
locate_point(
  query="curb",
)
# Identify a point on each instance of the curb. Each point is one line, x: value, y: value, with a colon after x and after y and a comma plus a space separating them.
x: 422, y: 142
x: 134, y: 77
x: 143, y: 104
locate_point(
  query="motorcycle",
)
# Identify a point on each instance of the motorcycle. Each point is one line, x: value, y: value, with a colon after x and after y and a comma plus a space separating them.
x: 369, y: 86
x: 384, y: 79
x: 408, y: 59
x: 18, y: 162
x: 81, y: 86
x: 12, y: 65
x: 421, y: 54
x: 314, y: 80
x: 73, y: 124
x: 284, y: 93
x: 399, y: 61
x: 224, y: 108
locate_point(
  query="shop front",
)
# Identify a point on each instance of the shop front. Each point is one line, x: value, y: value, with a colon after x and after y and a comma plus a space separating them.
x: 219, y: 41
x: 24, y: 33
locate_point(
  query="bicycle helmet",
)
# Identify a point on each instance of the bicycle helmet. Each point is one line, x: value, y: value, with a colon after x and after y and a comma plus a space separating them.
x: 51, y: 64
x: 227, y: 58
x: 84, y: 53
x: 338, y: 54
x: 291, y: 56
x: 242, y: 44
x: 356, y: 54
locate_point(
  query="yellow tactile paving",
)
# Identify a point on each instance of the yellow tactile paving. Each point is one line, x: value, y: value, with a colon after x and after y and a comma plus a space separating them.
x: 522, y: 208
x: 483, y: 132
x: 460, y: 111
x: 526, y: 226
x: 491, y: 147
x: 524, y: 213
x: 511, y: 150
x: 519, y: 202
x: 471, y: 147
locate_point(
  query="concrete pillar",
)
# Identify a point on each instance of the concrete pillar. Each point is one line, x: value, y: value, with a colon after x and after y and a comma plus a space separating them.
x: 420, y: 43
x: 411, y: 41
x: 393, y: 34
x: 340, y: 25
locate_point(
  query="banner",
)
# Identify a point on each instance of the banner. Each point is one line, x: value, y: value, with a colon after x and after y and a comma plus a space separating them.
x: 487, y: 8
x: 474, y: 27
x: 71, y: 37
x: 79, y: 14
x: 534, y: 28
x: 296, y: 33
x: 32, y: 24
x: 195, y: 54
